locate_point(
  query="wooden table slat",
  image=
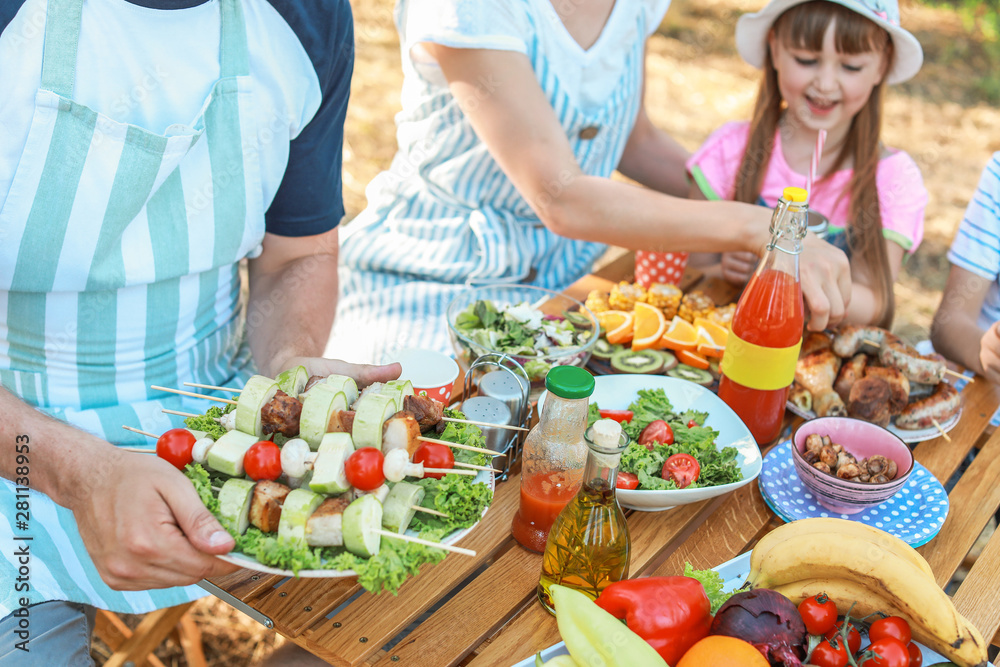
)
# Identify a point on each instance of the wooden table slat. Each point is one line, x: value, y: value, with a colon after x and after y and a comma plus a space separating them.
x: 379, y: 618
x: 971, y: 504
x: 976, y: 597
x: 241, y: 584
x: 305, y: 601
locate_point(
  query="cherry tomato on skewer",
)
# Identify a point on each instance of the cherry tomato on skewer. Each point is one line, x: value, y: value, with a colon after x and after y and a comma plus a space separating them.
x: 433, y: 455
x: 175, y: 447
x: 263, y: 461
x: 363, y: 469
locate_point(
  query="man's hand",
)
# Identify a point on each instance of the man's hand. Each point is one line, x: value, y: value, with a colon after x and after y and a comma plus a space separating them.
x: 738, y: 267
x: 145, y: 527
x: 989, y: 353
x: 363, y: 374
x: 826, y: 283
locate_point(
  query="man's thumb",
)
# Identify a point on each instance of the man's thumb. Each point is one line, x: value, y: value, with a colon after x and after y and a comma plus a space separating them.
x: 201, y: 528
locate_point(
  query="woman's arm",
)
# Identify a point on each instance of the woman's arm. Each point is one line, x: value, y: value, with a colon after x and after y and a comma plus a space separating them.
x: 866, y: 304
x: 955, y: 331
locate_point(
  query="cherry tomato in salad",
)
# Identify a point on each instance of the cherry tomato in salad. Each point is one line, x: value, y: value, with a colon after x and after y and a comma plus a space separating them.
x: 916, y: 656
x: 626, y: 480
x: 891, y: 626
x: 263, y: 461
x: 853, y: 636
x: 620, y: 416
x: 656, y: 433
x: 433, y: 455
x: 888, y: 652
x: 692, y: 424
x: 826, y: 655
x: 175, y: 447
x: 363, y: 469
x: 819, y: 613
x: 682, y: 468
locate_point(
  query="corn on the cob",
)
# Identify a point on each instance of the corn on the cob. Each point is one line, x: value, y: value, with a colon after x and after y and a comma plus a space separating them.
x: 695, y: 304
x: 723, y: 315
x: 666, y: 297
x: 625, y: 295
x: 597, y: 301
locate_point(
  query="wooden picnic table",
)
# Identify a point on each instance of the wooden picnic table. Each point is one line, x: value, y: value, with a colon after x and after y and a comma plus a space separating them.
x: 482, y: 611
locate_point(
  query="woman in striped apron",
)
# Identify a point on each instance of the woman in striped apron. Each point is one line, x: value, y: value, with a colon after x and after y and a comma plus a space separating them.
x: 119, y: 270
x: 515, y: 114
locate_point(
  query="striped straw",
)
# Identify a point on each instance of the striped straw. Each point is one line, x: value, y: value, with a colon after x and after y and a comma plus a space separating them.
x: 814, y: 165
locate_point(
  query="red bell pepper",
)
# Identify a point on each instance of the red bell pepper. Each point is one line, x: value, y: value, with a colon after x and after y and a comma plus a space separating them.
x: 670, y: 613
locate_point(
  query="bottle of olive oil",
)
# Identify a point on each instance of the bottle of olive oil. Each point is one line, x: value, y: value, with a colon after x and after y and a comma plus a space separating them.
x: 588, y: 546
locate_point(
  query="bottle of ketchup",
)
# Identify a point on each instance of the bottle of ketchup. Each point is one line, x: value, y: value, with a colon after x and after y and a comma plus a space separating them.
x: 758, y: 365
x: 554, y: 455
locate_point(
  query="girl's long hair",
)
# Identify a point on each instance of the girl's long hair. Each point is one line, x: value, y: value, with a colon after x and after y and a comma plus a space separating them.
x: 804, y: 26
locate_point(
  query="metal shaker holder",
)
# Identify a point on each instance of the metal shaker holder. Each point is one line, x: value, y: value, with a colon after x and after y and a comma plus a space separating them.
x: 500, y: 378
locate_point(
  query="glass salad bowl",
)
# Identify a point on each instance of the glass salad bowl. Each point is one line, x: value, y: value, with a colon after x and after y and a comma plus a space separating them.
x: 537, y: 327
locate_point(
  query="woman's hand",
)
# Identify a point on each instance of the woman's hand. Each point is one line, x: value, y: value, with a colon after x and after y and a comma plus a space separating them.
x: 825, y: 275
x: 363, y: 374
x: 738, y: 267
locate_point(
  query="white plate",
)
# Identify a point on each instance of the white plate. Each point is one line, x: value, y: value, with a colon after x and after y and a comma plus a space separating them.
x: 906, y: 435
x: 616, y: 392
x: 251, y: 563
x: 735, y: 573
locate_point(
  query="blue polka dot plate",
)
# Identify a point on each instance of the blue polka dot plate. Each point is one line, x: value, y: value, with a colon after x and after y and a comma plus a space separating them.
x: 915, y: 514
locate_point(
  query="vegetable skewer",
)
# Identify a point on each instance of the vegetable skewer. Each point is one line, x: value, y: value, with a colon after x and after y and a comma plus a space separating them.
x: 458, y: 445
x: 426, y: 543
x: 212, y: 386
x: 191, y: 393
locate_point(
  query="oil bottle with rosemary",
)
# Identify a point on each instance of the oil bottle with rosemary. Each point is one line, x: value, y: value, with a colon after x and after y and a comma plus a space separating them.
x: 588, y: 546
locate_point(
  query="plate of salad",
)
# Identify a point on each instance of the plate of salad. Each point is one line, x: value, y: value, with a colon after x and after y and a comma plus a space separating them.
x: 686, y: 445
x: 537, y: 327
x: 319, y: 525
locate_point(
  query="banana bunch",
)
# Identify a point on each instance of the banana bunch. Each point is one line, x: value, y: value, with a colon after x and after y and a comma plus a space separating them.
x: 852, y: 562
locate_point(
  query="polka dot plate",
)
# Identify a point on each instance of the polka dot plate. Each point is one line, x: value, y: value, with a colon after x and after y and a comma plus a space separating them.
x: 915, y: 514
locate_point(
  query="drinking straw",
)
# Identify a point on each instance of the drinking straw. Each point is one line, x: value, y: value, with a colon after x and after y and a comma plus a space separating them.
x: 814, y: 165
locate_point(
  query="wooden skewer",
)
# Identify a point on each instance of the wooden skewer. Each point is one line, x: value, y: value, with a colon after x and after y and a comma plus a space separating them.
x: 941, y: 430
x: 476, y: 467
x: 212, y: 386
x: 449, y: 471
x: 869, y: 341
x: 968, y: 379
x: 191, y: 393
x: 426, y: 543
x: 458, y: 445
x: 179, y: 413
x: 429, y: 511
x: 138, y: 450
x: 145, y: 433
x: 475, y: 423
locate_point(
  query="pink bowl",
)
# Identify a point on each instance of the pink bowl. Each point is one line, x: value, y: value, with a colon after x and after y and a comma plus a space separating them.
x: 862, y: 439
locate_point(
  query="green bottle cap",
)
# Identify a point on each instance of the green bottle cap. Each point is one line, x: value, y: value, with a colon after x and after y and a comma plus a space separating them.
x: 569, y: 382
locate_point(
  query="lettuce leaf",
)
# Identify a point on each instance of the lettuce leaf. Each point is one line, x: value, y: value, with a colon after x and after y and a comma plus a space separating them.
x: 208, y: 422
x: 713, y: 584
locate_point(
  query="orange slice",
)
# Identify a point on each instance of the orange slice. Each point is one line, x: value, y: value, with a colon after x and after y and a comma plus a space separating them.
x: 718, y: 333
x: 680, y: 335
x: 650, y: 324
x: 706, y: 345
x: 692, y: 359
x: 618, y: 325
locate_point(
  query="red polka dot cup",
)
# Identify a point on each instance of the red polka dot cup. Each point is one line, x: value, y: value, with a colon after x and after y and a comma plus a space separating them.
x: 659, y: 267
x: 428, y: 370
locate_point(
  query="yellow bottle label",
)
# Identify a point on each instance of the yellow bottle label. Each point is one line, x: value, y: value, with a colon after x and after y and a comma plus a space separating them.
x: 759, y: 367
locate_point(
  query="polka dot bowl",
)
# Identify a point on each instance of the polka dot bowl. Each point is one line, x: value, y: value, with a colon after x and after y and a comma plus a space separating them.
x: 862, y: 439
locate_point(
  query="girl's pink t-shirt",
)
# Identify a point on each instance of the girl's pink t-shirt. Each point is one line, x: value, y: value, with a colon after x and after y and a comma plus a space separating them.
x: 901, y: 193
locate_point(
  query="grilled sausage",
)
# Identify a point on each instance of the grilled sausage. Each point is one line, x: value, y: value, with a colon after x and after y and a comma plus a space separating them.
x: 851, y: 339
x: 915, y: 366
x: 942, y: 405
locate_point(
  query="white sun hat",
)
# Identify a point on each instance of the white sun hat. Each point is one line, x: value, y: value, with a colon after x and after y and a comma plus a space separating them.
x: 752, y: 31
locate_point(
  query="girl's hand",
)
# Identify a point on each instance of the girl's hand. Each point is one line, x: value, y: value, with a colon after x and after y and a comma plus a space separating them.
x: 825, y: 275
x: 989, y: 353
x: 738, y: 267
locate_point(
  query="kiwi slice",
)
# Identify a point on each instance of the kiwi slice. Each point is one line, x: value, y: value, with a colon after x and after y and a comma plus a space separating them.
x: 713, y: 367
x: 578, y: 319
x: 643, y: 361
x: 669, y: 360
x: 604, y: 350
x: 691, y: 374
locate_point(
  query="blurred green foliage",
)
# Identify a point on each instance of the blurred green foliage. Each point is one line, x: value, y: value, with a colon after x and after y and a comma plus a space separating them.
x: 981, y: 18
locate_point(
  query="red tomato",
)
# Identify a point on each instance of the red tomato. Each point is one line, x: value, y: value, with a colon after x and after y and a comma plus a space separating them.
x: 916, y: 657
x: 819, y: 614
x: 626, y: 480
x: 853, y: 636
x: 658, y: 432
x: 620, y: 416
x: 363, y: 469
x: 433, y: 455
x: 263, y: 461
x: 692, y: 424
x: 892, y: 626
x: 682, y: 468
x: 889, y: 652
x: 175, y: 447
x: 825, y: 655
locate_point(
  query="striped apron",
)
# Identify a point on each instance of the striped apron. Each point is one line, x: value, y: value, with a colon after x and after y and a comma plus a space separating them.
x: 119, y: 270
x: 445, y: 216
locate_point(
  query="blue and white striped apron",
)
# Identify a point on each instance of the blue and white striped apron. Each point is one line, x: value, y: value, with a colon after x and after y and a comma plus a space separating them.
x: 440, y: 221
x: 119, y: 270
